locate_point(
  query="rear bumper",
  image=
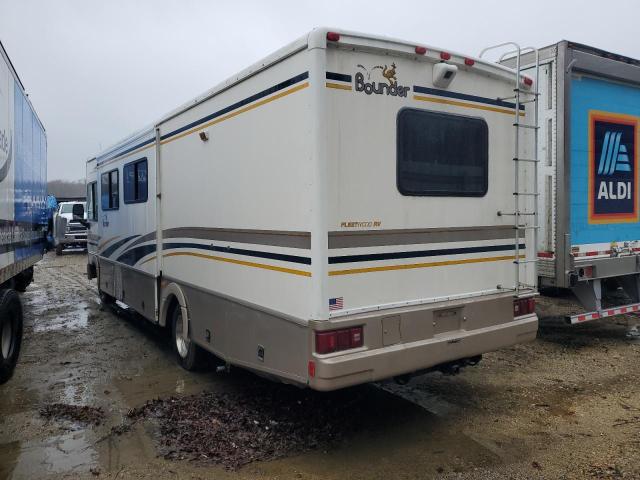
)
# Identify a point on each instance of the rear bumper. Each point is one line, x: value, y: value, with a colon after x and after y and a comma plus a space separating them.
x: 605, y: 267
x: 371, y: 364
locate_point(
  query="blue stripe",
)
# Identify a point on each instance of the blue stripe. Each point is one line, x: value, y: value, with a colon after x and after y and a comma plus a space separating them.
x: 264, y: 93
x: 603, y: 154
x: 465, y: 96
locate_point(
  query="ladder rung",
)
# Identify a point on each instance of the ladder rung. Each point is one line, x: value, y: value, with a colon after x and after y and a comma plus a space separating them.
x: 520, y: 125
x: 532, y: 160
x: 525, y: 285
x: 526, y: 193
x: 525, y: 227
x: 519, y: 262
x: 517, y: 214
x: 513, y: 97
x: 526, y: 92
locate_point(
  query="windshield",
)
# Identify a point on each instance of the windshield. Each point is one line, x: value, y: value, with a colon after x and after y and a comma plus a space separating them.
x: 67, y: 207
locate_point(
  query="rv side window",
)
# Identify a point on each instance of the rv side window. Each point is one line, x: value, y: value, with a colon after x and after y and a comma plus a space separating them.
x: 135, y: 181
x: 441, y: 154
x: 92, y: 205
x: 109, y: 190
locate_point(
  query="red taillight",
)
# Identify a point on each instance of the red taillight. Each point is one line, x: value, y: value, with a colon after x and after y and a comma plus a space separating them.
x: 469, y: 62
x: 445, y: 55
x: 311, y: 368
x: 421, y: 50
x: 527, y: 81
x: 524, y: 306
x: 326, y: 342
x: 333, y: 36
x: 338, y: 340
x: 357, y: 339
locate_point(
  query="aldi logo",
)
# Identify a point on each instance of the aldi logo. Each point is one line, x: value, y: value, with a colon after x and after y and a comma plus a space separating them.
x: 613, y: 168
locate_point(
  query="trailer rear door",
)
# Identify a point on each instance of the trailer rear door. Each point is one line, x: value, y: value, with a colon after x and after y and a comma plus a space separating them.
x: 605, y: 119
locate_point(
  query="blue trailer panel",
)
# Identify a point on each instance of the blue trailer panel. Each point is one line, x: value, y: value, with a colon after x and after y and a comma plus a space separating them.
x: 603, y: 161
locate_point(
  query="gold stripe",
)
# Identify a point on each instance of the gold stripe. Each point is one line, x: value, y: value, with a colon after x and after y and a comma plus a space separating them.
x: 148, y: 260
x: 422, y: 265
x: 338, y: 86
x: 464, y: 104
x: 238, y: 112
x: 240, y: 262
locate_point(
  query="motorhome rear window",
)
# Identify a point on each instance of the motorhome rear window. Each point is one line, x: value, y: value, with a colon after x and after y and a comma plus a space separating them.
x: 440, y: 154
x: 135, y: 181
x: 109, y: 190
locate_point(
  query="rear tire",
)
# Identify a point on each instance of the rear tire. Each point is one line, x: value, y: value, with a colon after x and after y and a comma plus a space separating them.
x: 59, y: 249
x: 10, y: 333
x: 188, y: 354
x: 23, y: 280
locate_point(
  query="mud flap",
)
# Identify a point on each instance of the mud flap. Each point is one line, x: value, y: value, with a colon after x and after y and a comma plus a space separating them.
x: 589, y: 294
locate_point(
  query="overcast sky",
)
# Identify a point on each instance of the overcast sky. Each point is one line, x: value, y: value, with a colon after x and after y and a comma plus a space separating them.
x: 98, y: 70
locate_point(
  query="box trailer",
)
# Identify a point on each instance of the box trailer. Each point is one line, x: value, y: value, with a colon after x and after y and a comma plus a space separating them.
x: 589, y: 110
x: 23, y: 221
x: 327, y: 217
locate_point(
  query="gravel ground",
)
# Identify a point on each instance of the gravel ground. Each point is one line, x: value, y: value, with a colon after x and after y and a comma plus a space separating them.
x: 97, y: 394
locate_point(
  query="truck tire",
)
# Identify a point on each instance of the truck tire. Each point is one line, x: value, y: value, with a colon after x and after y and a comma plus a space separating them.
x: 188, y: 354
x: 59, y: 249
x: 10, y: 332
x: 23, y: 280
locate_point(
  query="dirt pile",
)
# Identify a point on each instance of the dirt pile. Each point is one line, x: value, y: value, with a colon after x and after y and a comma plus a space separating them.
x: 262, y: 424
x: 76, y: 413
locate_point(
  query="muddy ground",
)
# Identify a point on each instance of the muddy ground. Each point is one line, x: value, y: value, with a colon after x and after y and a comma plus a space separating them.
x: 564, y: 406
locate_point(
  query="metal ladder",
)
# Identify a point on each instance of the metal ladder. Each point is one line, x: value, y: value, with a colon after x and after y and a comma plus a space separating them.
x: 520, y: 223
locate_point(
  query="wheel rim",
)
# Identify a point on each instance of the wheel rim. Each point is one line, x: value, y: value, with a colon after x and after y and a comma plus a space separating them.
x: 182, y: 344
x: 6, y: 338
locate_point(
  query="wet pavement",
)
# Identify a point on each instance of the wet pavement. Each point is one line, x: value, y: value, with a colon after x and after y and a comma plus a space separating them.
x: 564, y: 406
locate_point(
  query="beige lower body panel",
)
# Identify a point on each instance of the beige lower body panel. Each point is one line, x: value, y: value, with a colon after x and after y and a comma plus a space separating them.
x: 396, y: 341
x: 371, y: 365
x: 418, y: 338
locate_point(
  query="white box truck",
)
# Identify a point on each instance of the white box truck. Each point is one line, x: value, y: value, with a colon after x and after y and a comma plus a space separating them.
x: 589, y: 110
x: 23, y: 221
x: 328, y: 216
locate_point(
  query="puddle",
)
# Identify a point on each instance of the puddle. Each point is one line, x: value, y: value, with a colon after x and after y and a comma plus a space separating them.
x: 75, y: 317
x: 70, y: 452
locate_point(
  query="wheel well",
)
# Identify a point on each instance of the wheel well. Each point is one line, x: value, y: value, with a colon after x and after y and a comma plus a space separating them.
x: 172, y: 304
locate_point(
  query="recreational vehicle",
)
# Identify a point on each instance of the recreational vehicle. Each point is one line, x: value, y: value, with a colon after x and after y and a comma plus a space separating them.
x: 340, y: 212
x: 589, y: 108
x: 23, y: 221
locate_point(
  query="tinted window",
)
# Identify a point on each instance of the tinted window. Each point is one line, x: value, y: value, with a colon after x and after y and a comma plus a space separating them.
x: 109, y: 193
x: 135, y: 181
x: 92, y: 206
x: 441, y: 154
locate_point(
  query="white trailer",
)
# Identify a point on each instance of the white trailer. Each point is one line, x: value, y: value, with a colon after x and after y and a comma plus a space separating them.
x: 335, y: 214
x: 588, y: 176
x: 23, y: 221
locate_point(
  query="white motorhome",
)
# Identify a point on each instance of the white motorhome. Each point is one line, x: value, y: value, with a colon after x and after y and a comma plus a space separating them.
x: 335, y: 214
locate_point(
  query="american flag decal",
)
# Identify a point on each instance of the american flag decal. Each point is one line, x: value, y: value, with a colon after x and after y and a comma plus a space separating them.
x: 336, y: 303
